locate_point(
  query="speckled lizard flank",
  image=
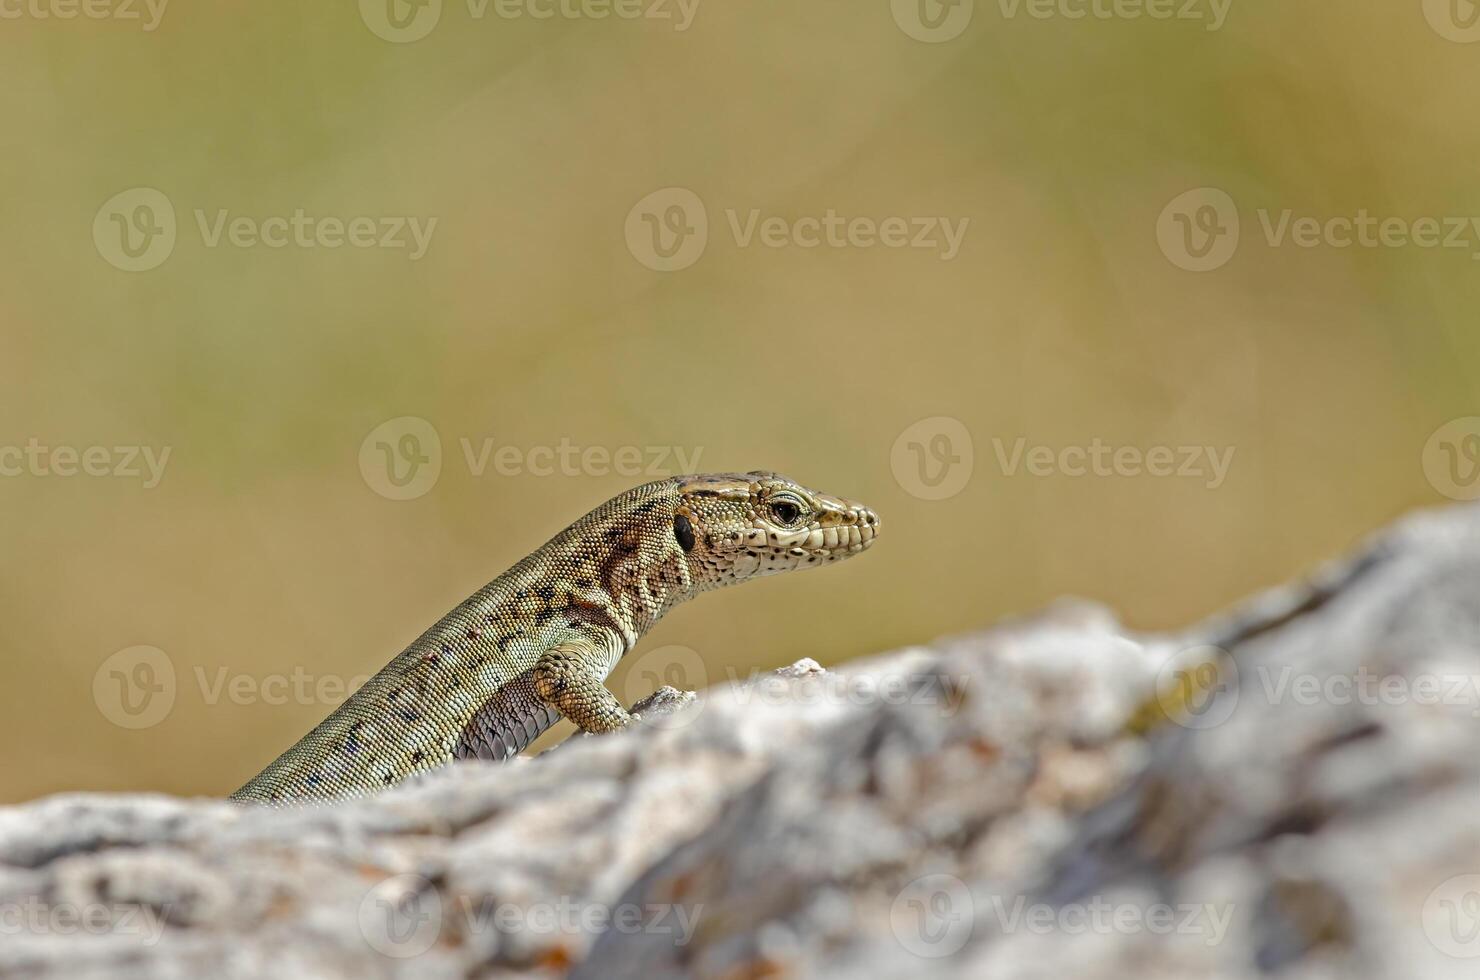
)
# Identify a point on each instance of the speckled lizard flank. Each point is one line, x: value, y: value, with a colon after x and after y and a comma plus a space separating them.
x: 538, y: 642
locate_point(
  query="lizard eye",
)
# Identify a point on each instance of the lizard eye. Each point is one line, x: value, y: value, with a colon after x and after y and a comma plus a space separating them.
x: 786, y: 512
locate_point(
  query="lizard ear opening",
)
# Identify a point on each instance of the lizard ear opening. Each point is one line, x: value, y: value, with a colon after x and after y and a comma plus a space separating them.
x: 684, y: 531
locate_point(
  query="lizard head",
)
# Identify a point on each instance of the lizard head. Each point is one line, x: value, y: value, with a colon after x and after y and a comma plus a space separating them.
x: 738, y: 526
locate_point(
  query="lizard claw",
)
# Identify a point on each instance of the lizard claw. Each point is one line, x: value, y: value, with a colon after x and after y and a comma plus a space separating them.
x: 663, y: 703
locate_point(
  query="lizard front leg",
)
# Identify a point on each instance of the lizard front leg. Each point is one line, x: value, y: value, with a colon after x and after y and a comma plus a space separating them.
x: 571, y: 678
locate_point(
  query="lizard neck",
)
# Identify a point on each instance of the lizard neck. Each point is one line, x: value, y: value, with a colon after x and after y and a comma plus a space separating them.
x: 643, y: 584
x: 618, y: 566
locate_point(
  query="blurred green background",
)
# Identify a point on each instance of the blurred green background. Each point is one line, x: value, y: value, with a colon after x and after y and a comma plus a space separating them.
x: 532, y: 318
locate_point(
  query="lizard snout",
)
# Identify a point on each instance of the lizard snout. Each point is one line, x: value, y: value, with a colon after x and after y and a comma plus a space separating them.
x: 845, y: 525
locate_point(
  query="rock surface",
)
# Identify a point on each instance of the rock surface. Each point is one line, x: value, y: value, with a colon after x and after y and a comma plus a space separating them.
x: 1290, y: 790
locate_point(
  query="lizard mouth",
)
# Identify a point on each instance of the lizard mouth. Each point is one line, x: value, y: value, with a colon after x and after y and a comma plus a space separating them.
x: 844, y: 531
x: 845, y: 527
x: 844, y: 538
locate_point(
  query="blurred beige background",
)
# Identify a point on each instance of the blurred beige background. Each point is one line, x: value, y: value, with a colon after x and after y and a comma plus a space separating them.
x: 267, y: 563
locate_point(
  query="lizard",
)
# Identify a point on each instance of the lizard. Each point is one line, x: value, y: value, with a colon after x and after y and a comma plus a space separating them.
x: 538, y: 642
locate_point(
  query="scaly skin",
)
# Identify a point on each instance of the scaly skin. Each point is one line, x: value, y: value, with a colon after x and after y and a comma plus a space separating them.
x: 538, y: 642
